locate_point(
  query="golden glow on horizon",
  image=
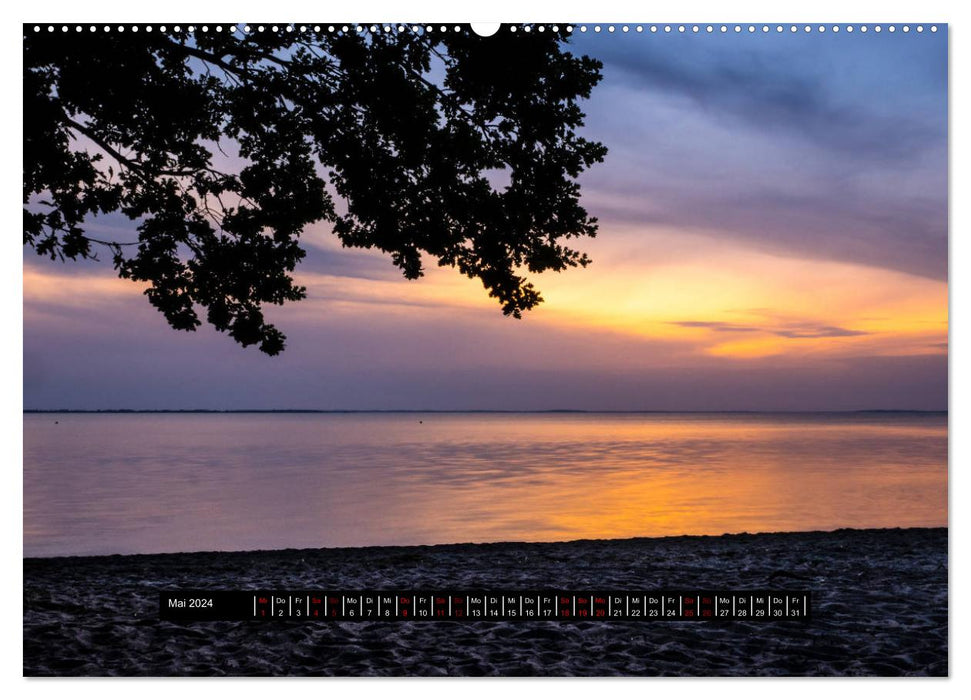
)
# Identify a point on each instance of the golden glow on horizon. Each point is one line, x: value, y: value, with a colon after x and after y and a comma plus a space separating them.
x: 744, y: 304
x: 717, y: 300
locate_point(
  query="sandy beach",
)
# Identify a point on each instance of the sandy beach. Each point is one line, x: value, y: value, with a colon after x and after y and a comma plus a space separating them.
x: 880, y: 608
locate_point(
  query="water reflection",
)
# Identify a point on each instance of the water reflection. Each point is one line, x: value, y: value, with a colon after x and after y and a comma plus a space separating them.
x: 122, y: 483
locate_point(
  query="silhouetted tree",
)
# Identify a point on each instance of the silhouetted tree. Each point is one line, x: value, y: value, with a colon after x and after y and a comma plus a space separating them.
x: 446, y: 144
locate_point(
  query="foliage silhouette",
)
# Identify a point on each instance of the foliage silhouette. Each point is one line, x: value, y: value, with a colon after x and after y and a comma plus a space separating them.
x: 446, y: 144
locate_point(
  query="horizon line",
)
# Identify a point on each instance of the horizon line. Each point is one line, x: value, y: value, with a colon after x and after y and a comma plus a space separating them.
x: 467, y: 410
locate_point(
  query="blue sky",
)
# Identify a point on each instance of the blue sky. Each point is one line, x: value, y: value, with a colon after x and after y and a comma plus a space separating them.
x: 773, y: 237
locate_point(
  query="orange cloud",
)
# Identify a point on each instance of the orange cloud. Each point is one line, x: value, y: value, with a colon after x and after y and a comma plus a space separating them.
x: 706, y: 298
x: 729, y: 301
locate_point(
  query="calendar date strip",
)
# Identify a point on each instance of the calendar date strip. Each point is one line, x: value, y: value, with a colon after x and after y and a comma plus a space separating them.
x: 478, y: 606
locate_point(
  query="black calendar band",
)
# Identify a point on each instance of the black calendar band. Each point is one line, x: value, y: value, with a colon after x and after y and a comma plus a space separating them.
x: 478, y: 606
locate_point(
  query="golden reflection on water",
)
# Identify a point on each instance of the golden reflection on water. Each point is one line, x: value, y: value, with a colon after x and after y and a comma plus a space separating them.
x: 735, y: 477
x: 149, y: 483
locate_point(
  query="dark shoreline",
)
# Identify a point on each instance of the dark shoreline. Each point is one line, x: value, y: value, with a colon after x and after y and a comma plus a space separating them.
x: 364, y: 549
x: 880, y: 607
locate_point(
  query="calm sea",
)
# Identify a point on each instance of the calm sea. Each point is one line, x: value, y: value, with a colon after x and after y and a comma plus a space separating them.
x: 127, y: 483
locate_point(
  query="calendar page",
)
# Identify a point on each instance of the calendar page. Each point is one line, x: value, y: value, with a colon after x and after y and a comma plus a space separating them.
x: 437, y: 349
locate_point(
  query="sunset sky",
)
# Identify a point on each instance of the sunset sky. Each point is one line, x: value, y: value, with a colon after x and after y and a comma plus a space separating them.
x: 773, y: 236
